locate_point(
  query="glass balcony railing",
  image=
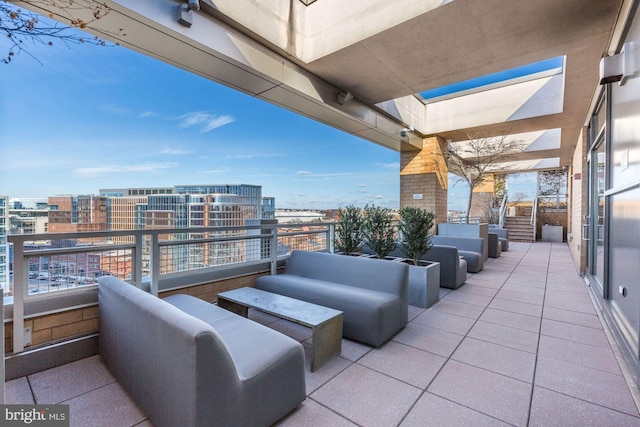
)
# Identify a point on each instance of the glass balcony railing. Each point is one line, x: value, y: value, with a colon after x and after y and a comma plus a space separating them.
x: 62, y: 266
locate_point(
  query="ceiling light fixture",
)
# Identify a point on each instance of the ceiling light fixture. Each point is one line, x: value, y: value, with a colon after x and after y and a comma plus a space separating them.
x: 185, y: 12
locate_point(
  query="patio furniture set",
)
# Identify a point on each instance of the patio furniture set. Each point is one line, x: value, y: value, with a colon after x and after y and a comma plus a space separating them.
x: 187, y: 362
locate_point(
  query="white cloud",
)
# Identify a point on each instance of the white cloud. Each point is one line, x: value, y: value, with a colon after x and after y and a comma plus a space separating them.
x: 207, y: 122
x: 394, y: 165
x: 215, y: 171
x: 379, y: 196
x: 102, y: 171
x: 362, y: 185
x: 240, y: 156
x: 303, y: 173
x: 146, y: 114
x: 174, y: 151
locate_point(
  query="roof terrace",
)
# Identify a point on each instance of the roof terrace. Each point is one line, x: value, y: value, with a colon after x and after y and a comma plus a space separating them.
x: 521, y: 343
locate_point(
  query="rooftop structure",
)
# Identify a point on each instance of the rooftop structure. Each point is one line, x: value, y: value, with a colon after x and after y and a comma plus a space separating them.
x: 560, y: 76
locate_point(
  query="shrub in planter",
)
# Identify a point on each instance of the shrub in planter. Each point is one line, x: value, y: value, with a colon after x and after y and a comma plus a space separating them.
x: 414, y: 228
x: 348, y: 230
x: 379, y: 231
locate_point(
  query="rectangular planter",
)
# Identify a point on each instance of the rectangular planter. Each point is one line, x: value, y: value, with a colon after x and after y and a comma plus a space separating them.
x: 552, y: 233
x: 424, y: 283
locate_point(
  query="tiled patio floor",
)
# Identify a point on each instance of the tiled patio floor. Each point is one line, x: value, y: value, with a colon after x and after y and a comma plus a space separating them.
x: 519, y: 344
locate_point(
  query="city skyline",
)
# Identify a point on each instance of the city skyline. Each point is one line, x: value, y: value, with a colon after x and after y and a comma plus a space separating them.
x: 82, y: 117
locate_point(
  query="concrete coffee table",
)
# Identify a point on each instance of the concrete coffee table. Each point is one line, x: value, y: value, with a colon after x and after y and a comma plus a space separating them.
x: 325, y: 323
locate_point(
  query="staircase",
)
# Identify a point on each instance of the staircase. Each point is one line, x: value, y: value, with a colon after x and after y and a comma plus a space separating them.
x: 520, y: 228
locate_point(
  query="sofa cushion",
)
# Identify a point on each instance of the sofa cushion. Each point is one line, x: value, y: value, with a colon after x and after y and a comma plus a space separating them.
x: 368, y: 314
x: 240, y: 336
x: 453, y: 269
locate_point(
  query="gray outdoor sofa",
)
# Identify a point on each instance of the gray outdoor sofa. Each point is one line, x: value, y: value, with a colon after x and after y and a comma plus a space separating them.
x: 453, y: 269
x: 469, y: 248
x: 495, y: 246
x: 186, y: 362
x: 503, y: 235
x: 372, y: 293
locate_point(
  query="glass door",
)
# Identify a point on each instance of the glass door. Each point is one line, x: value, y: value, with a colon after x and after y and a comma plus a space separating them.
x: 594, y: 226
x: 598, y: 214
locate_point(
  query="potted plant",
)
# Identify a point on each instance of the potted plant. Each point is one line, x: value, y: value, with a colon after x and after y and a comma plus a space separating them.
x: 414, y: 229
x: 379, y: 232
x: 348, y: 230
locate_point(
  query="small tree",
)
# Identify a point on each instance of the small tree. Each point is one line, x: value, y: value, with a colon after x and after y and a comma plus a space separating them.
x: 473, y: 161
x: 379, y: 231
x: 414, y: 228
x: 552, y: 194
x: 348, y: 230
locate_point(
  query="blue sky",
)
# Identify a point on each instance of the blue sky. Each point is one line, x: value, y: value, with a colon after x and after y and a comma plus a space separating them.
x: 92, y: 117
x: 84, y: 117
x: 500, y: 76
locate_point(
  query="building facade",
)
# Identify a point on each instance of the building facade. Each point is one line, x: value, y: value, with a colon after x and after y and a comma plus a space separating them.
x: 4, y: 246
x: 605, y: 215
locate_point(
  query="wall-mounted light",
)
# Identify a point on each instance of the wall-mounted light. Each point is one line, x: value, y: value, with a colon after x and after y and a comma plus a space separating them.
x: 616, y: 68
x: 342, y: 98
x: 405, y: 131
x: 185, y: 12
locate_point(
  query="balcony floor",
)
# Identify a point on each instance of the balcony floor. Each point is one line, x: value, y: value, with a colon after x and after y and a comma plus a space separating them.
x: 519, y: 344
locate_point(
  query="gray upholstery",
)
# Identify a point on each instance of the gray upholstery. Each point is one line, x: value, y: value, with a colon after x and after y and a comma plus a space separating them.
x: 503, y: 236
x: 495, y: 247
x: 453, y: 269
x: 467, y: 230
x: 469, y: 248
x: 186, y: 362
x: 372, y: 293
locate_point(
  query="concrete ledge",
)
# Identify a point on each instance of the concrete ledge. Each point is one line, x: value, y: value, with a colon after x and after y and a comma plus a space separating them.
x: 41, y: 359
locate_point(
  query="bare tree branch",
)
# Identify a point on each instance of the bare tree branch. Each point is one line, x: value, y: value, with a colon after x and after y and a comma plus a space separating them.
x: 20, y: 25
x: 474, y: 161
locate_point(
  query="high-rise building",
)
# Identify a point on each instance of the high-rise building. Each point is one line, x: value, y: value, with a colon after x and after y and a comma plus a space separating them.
x: 186, y: 206
x: 4, y: 246
x: 124, y: 192
x: 70, y: 214
x: 28, y: 221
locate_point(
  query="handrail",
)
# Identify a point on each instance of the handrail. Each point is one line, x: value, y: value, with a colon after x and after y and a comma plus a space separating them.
x: 534, y: 218
x: 189, y: 251
x: 503, y: 210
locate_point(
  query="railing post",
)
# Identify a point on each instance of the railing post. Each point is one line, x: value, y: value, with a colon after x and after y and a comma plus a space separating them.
x: 273, y: 249
x: 2, y: 375
x: 20, y: 279
x: 331, y: 235
x: 155, y: 263
x: 137, y: 261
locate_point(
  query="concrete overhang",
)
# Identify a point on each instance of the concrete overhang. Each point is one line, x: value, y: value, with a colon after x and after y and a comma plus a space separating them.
x: 382, y: 53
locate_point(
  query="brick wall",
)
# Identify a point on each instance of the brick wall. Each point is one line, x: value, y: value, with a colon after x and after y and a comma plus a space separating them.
x: 578, y: 200
x: 423, y: 173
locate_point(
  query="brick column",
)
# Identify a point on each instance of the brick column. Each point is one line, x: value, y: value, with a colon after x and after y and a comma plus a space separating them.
x: 424, y: 179
x: 483, y: 196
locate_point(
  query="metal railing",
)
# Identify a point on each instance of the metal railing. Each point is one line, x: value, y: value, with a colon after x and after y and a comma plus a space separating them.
x: 553, y: 201
x: 503, y: 210
x: 58, y: 264
x: 534, y: 215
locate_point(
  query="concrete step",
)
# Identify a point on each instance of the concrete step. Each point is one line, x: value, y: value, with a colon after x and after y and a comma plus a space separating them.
x: 520, y: 228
